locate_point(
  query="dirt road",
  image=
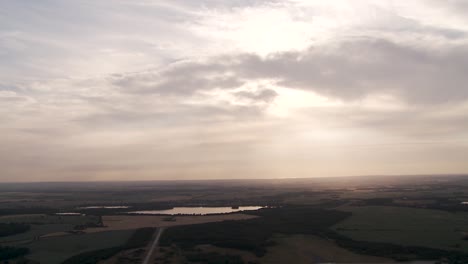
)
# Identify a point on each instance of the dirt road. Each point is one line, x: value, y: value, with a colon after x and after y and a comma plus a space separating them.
x: 153, y: 246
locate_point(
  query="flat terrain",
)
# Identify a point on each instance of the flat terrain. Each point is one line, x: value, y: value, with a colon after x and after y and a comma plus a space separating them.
x: 55, y: 250
x: 43, y: 225
x: 406, y: 226
x: 49, y: 219
x: 312, y: 249
x: 130, y: 256
x: 153, y: 246
x: 298, y: 249
x: 123, y: 222
x: 339, y: 220
x: 35, y: 232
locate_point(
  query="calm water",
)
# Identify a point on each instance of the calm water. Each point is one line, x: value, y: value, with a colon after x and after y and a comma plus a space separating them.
x: 103, y: 207
x: 197, y: 210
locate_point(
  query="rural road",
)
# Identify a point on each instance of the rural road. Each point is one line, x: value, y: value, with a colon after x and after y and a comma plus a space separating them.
x: 153, y: 246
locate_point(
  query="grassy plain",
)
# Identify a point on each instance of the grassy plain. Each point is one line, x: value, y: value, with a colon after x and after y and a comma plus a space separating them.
x: 298, y: 249
x: 55, y: 250
x: 392, y: 213
x: 406, y: 226
x: 312, y: 249
x: 34, y: 232
x: 49, y: 219
x: 42, y: 225
x: 122, y: 222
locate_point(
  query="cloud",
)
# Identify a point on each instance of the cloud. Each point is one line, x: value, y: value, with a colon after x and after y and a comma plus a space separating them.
x: 179, y: 78
x: 219, y: 89
x: 425, y: 123
x: 347, y: 70
x: 264, y: 95
x: 354, y: 69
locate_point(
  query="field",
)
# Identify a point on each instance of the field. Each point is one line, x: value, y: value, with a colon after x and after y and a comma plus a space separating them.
x: 49, y: 219
x: 406, y: 226
x: 55, y: 250
x: 339, y: 220
x: 300, y: 249
x: 122, y: 222
x: 253, y: 235
x: 139, y: 239
x: 42, y: 225
x: 307, y: 248
x: 45, y: 247
x: 130, y: 256
x: 35, y: 232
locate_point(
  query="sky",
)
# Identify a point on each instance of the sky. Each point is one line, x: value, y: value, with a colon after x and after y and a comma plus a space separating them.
x: 218, y: 89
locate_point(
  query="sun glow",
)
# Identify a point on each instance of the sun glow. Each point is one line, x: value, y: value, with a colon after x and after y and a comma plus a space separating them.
x: 290, y: 100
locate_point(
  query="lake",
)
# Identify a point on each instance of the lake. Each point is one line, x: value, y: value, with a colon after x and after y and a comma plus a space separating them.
x: 103, y: 207
x: 69, y: 214
x: 197, y: 210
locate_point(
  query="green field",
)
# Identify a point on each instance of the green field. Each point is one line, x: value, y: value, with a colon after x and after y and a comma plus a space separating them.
x: 42, y: 225
x: 34, y: 232
x: 55, y: 250
x: 308, y: 248
x: 49, y: 219
x: 406, y: 226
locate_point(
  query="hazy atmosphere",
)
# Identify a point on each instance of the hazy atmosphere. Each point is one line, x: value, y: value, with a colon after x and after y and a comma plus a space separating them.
x: 150, y: 90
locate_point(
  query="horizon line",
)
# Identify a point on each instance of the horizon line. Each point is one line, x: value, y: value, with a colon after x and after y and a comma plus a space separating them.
x: 240, y: 179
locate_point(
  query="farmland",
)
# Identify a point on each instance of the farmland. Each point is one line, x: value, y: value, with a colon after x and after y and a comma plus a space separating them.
x: 55, y: 250
x: 304, y: 221
x: 42, y: 225
x: 406, y: 226
x: 138, y: 239
x: 305, y: 248
x: 123, y: 222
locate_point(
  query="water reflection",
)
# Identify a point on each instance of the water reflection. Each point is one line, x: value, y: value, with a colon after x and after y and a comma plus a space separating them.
x: 198, y: 210
x: 104, y: 207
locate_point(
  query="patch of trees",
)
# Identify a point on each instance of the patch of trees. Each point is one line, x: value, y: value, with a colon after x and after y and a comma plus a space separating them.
x: 7, y: 253
x: 12, y: 229
x: 254, y: 235
x: 140, y: 238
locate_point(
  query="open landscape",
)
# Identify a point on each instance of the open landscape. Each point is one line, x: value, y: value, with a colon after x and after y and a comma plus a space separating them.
x: 410, y: 219
x: 233, y: 131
